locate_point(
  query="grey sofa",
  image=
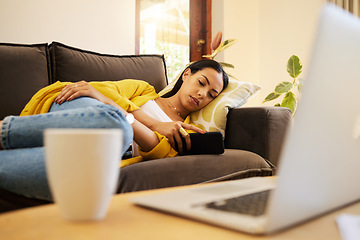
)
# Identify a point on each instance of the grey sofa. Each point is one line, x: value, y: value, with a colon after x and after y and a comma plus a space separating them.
x: 254, y: 135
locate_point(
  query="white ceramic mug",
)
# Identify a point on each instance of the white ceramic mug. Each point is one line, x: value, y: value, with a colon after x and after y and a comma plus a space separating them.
x: 83, y: 167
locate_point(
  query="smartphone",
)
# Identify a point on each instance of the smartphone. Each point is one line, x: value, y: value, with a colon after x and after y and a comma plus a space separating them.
x: 204, y: 143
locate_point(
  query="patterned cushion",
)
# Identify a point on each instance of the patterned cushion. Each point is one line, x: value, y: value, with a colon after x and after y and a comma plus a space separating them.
x: 212, y: 118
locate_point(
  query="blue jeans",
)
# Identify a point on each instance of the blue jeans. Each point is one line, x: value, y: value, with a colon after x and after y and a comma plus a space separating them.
x: 22, y: 164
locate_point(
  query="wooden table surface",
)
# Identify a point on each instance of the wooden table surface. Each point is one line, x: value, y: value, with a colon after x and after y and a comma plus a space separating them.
x: 127, y: 221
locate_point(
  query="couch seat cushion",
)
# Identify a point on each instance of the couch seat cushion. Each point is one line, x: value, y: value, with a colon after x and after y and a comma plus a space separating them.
x: 170, y: 172
x: 186, y: 170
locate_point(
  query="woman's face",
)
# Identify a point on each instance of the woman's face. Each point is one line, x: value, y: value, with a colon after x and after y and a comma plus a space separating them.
x: 200, y: 88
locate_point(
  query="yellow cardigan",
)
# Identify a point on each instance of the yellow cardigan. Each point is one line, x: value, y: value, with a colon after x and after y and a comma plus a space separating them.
x: 128, y: 94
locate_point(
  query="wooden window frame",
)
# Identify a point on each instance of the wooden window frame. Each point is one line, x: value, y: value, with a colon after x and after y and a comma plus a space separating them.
x: 200, y: 28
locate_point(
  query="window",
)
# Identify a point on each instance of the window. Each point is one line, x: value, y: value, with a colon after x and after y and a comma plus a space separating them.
x: 164, y: 29
x: 179, y: 29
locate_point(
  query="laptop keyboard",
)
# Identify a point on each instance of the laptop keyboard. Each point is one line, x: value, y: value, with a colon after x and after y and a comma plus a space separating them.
x: 252, y: 204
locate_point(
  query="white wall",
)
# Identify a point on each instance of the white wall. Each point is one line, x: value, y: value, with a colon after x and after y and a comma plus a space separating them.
x: 242, y: 23
x: 268, y: 33
x: 106, y: 26
x: 287, y: 27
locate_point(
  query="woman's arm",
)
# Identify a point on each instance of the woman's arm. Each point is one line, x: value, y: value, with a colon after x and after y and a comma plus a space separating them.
x: 143, y: 136
x: 171, y: 130
x: 81, y: 89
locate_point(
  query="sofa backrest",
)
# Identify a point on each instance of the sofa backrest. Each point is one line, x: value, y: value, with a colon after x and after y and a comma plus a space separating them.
x: 71, y: 64
x: 26, y: 68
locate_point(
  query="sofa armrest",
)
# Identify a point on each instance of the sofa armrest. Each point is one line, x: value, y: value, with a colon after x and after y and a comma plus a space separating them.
x: 258, y: 129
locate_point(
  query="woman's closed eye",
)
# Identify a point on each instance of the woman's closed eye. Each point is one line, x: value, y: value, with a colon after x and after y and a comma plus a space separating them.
x: 211, y: 95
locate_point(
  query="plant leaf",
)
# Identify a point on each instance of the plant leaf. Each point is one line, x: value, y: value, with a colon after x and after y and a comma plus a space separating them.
x: 277, y: 105
x: 271, y: 97
x: 231, y: 76
x: 289, y: 101
x: 284, y: 87
x: 294, y: 66
x: 226, y: 65
x: 299, y: 84
x: 225, y: 44
x: 211, y: 56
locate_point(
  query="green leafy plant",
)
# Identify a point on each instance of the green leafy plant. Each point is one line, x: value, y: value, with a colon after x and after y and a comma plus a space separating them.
x: 217, y: 46
x: 286, y: 88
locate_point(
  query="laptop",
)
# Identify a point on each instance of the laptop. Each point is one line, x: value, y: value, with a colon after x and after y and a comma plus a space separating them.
x: 320, y: 161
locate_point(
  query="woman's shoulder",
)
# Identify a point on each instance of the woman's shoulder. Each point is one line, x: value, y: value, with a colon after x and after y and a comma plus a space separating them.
x: 121, y: 82
x: 124, y: 84
x: 132, y: 81
x: 132, y: 84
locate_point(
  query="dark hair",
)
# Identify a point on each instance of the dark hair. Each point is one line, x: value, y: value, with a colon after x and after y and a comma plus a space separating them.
x: 195, y: 67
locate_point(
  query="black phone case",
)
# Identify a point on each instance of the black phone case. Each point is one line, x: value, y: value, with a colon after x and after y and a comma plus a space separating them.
x: 207, y: 143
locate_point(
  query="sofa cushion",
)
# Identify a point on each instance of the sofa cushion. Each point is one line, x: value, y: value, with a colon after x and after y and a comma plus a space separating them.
x: 71, y: 64
x: 23, y: 71
x: 170, y: 172
x: 212, y: 117
x: 194, y: 169
x: 258, y: 129
x: 10, y: 201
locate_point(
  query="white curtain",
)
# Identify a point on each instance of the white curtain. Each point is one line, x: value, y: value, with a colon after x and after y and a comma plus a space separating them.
x: 164, y: 29
x: 352, y: 6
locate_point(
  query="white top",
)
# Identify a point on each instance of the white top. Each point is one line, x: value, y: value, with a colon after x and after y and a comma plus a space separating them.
x: 153, y: 110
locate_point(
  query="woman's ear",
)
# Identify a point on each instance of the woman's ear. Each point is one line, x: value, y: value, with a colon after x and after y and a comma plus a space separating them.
x: 186, y: 74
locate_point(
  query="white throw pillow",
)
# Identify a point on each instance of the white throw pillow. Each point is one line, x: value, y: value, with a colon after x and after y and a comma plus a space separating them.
x: 212, y: 118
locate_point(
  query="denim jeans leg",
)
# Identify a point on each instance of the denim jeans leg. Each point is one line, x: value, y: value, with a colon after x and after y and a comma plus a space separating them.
x: 22, y: 171
x: 27, y: 131
x: 76, y: 103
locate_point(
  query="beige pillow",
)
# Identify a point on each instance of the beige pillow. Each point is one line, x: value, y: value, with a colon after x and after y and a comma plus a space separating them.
x: 212, y: 118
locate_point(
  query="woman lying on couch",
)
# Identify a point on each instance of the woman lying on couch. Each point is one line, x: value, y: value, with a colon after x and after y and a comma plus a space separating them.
x: 158, y: 124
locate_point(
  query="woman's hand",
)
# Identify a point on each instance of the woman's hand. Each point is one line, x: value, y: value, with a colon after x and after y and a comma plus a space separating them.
x: 171, y: 130
x: 143, y: 135
x: 79, y: 89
